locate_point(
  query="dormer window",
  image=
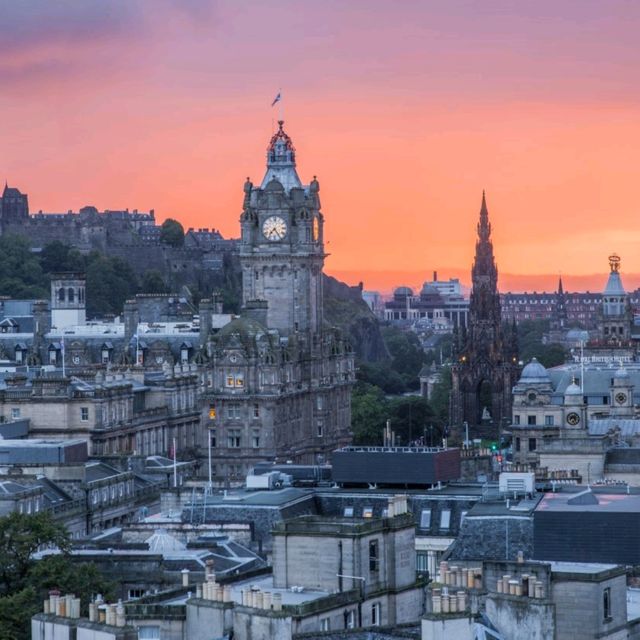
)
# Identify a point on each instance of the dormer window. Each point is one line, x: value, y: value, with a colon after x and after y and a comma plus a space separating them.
x: 235, y: 380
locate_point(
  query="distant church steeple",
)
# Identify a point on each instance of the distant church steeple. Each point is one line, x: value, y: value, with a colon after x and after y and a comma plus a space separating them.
x: 559, y: 315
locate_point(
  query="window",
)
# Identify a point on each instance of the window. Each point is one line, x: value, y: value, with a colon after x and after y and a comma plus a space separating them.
x: 84, y: 414
x: 255, y: 439
x: 53, y: 356
x: 367, y: 512
x: 422, y: 561
x: 348, y: 512
x: 256, y: 410
x: 516, y: 419
x: 445, y: 518
x: 531, y: 420
x: 532, y: 444
x: 233, y: 411
x: 517, y: 444
x: 375, y: 614
x: 233, y: 439
x: 425, y: 519
x: 230, y: 381
x: 350, y: 619
x: 212, y: 438
x: 135, y: 593
x: 149, y: 632
x: 320, y: 429
x: 325, y: 624
x: 184, y: 355
x: 239, y: 380
x: 19, y: 356
x: 548, y: 420
x: 606, y: 603
x: 15, y: 413
x: 373, y: 555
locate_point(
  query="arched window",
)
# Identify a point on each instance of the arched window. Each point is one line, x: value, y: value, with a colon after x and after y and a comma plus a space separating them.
x: 61, y: 294
x: 71, y: 294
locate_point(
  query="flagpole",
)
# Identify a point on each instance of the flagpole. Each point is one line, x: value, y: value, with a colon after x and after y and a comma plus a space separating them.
x: 280, y: 114
x: 63, y: 367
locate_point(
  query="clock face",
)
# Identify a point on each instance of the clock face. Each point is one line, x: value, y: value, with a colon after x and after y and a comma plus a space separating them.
x: 274, y: 228
x: 316, y: 229
x: 573, y: 419
x: 621, y: 398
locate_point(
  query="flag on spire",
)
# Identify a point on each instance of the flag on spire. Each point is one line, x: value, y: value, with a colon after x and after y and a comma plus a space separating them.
x: 277, y: 99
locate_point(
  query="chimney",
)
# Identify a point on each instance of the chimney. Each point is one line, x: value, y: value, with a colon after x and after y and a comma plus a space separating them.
x: 216, y: 299
x: 205, y: 311
x: 256, y: 310
x: 41, y: 319
x: 435, y: 276
x: 131, y: 320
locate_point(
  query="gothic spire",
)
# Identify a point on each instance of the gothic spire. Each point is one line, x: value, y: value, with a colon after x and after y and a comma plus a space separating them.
x: 560, y: 289
x: 484, y: 226
x: 484, y: 263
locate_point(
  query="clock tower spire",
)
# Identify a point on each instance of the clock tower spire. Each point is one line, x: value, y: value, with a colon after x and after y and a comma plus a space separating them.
x: 281, y: 249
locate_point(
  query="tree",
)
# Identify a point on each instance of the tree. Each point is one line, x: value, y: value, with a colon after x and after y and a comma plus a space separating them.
x: 368, y: 414
x: 25, y: 582
x: 172, y: 233
x: 61, y: 573
x: 110, y: 282
x: 21, y: 275
x: 152, y: 282
x: 410, y: 417
x: 531, y: 344
x: 407, y: 355
x: 16, y: 612
x: 58, y: 256
x: 440, y: 398
x: 20, y: 537
x: 383, y: 376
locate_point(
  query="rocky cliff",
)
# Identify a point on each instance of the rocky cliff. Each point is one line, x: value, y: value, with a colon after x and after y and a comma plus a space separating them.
x: 345, y: 309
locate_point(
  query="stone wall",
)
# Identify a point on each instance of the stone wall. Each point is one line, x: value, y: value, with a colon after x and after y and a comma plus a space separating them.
x: 207, y: 619
x: 580, y: 607
x: 516, y: 617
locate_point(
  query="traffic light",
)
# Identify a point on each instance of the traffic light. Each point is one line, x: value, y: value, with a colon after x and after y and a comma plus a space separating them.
x: 494, y: 446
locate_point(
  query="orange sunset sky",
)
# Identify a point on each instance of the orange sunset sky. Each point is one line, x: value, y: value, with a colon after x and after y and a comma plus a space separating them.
x: 404, y: 110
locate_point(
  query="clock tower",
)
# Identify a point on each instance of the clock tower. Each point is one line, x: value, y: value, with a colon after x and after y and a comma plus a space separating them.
x: 279, y: 382
x: 282, y: 249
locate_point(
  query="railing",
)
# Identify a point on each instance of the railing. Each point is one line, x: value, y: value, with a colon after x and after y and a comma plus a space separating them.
x: 392, y: 449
